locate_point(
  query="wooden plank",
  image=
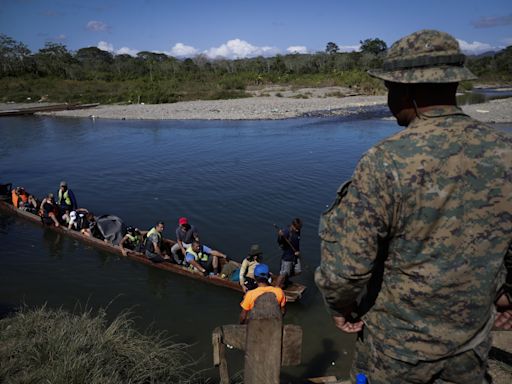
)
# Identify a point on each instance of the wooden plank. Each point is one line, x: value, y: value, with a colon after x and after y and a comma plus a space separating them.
x: 216, y: 341
x: 324, y: 380
x: 292, y: 345
x: 223, y: 365
x: 219, y: 355
x: 235, y: 336
x: 263, y: 345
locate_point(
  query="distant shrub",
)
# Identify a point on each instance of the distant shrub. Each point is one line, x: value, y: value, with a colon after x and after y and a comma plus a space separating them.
x: 232, y: 83
x: 335, y: 94
x: 226, y: 94
x: 54, y: 346
x: 300, y: 96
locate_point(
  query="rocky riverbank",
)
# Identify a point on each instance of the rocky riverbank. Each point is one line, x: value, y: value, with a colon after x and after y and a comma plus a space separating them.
x: 271, y: 103
x: 261, y: 106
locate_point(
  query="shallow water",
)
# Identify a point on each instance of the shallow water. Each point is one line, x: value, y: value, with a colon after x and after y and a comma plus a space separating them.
x: 482, y: 95
x: 233, y: 180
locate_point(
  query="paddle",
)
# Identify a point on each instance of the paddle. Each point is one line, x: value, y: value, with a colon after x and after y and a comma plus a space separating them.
x: 288, y: 241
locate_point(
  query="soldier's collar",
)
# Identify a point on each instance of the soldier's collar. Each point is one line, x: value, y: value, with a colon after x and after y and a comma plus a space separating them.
x: 439, y: 111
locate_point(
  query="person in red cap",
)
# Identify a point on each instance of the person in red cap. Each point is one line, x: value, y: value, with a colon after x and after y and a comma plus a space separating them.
x: 185, y: 235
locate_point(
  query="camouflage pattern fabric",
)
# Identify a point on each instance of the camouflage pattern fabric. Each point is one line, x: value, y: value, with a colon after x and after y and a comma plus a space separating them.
x: 440, y: 193
x: 469, y: 367
x: 426, y: 56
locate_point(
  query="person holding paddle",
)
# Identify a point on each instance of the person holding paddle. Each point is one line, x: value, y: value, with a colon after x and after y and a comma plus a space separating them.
x: 289, y: 241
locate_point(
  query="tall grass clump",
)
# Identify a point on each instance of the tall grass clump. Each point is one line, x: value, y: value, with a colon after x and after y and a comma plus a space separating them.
x: 54, y: 346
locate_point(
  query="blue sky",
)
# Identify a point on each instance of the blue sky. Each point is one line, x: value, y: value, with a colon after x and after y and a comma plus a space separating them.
x: 249, y: 28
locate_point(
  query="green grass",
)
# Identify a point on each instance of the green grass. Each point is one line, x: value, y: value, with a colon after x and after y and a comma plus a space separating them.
x: 169, y: 90
x: 54, y: 346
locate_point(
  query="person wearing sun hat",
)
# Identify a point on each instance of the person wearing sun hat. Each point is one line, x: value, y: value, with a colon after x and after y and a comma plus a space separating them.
x: 416, y: 251
x: 253, y: 258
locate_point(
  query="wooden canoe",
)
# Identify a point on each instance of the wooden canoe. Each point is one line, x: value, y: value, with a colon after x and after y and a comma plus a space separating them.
x: 45, y: 108
x: 293, y: 291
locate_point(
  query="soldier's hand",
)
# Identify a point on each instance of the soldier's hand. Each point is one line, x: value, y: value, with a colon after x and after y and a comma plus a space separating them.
x: 504, y: 316
x: 503, y: 320
x: 345, y: 326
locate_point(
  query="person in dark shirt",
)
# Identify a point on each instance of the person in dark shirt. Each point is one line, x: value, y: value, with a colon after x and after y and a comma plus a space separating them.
x: 47, y: 211
x: 185, y: 235
x: 289, y: 241
x: 87, y: 224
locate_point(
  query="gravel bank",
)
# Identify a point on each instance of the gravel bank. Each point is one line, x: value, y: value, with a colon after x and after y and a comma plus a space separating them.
x: 270, y: 103
x: 494, y: 111
x: 252, y: 108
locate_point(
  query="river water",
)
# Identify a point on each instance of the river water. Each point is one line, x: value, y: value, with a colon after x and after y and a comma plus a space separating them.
x: 232, y: 179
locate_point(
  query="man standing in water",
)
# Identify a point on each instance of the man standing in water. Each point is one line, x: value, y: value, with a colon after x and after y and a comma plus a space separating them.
x: 430, y: 208
x: 289, y: 241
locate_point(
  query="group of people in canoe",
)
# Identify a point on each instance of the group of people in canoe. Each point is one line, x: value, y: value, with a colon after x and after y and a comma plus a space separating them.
x: 187, y: 250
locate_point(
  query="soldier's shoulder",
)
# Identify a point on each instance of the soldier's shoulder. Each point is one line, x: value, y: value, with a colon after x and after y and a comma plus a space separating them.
x: 488, y: 130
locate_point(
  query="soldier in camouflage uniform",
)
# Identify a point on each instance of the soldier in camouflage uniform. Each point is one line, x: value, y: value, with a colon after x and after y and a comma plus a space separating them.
x: 423, y: 229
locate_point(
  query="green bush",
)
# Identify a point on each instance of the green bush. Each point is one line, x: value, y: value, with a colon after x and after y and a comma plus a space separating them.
x: 54, y: 346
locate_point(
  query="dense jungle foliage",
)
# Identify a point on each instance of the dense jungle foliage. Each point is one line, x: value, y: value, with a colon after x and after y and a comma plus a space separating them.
x: 90, y: 75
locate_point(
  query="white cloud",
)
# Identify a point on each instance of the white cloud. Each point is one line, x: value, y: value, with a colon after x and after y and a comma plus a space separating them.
x: 182, y: 50
x: 96, y: 26
x: 127, y: 51
x: 297, y: 49
x: 475, y: 47
x: 104, y: 46
x: 61, y: 37
x: 239, y: 49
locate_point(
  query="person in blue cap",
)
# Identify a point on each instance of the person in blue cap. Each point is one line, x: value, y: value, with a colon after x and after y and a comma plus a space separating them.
x: 262, y: 277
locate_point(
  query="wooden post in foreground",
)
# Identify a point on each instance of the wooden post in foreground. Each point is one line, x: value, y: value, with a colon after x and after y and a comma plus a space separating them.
x: 267, y: 343
x: 263, y: 343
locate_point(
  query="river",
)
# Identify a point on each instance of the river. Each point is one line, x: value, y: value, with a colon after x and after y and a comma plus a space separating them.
x: 232, y: 179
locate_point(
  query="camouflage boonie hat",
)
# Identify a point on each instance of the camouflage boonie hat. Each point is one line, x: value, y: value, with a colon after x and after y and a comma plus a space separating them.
x: 426, y: 56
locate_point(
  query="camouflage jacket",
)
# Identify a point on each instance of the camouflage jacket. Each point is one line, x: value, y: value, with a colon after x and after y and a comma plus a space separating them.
x: 438, y: 195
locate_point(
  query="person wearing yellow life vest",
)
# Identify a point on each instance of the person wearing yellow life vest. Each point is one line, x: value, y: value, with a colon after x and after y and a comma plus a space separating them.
x: 66, y: 199
x: 203, y: 258
x: 132, y: 240
x: 153, y: 244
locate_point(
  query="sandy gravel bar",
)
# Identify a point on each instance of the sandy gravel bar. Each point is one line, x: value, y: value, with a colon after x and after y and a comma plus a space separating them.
x: 270, y: 108
x: 251, y: 108
x: 494, y: 111
x: 270, y: 103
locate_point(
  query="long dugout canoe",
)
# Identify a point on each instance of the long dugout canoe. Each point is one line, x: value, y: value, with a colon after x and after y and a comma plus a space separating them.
x: 293, y: 292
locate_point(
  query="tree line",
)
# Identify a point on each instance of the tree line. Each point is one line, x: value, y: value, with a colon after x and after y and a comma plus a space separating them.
x: 93, y: 75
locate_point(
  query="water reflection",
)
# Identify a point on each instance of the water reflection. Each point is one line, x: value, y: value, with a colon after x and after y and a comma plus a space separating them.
x: 231, y: 179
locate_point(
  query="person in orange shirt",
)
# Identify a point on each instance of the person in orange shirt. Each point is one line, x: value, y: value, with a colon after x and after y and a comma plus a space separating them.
x: 262, y: 276
x: 21, y: 199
